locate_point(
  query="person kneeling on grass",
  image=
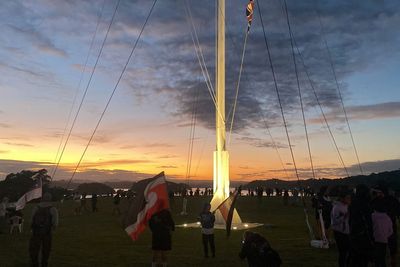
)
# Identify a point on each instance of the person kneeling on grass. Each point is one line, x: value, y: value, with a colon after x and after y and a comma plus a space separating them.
x: 161, y: 225
x: 258, y: 251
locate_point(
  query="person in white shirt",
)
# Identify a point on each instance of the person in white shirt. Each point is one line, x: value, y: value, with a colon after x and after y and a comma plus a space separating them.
x: 340, y: 226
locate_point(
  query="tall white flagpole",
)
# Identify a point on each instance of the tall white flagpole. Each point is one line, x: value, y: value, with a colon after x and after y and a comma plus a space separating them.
x: 221, y: 155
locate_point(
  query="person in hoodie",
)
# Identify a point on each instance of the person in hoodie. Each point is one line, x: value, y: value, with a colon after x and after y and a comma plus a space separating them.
x: 382, y: 229
x: 340, y: 226
x: 44, y: 222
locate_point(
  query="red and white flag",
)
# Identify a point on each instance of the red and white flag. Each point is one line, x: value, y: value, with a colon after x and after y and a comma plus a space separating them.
x: 151, y: 197
x: 34, y: 193
x: 227, y: 207
x: 249, y: 13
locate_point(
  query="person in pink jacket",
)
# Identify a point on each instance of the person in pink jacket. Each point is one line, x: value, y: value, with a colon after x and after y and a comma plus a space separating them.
x: 382, y: 229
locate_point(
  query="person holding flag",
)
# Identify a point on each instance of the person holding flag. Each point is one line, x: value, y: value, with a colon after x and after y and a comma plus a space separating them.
x: 161, y: 224
x: 227, y: 207
x: 34, y: 193
x: 151, y: 206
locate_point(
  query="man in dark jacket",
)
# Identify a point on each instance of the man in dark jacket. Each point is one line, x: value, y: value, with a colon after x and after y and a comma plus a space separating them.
x: 360, y: 222
x: 44, y: 221
x: 161, y: 224
x: 207, y: 220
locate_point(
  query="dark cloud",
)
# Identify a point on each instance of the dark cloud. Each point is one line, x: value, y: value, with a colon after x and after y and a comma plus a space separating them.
x: 257, y: 142
x: 147, y: 145
x: 14, y: 166
x: 355, y: 40
x: 5, y: 125
x: 157, y: 145
x: 165, y: 62
x: 37, y: 39
x: 378, y: 166
x: 167, y: 156
x: 18, y: 144
x: 167, y: 167
x: 100, y: 163
x: 366, y: 112
x: 63, y: 173
x: 337, y: 172
x: 128, y: 147
x: 22, y: 70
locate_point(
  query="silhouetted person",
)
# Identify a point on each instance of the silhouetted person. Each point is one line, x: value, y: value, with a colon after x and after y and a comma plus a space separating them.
x: 360, y: 221
x: 94, y: 203
x: 161, y: 224
x: 83, y: 204
x: 207, y: 220
x: 323, y: 203
x: 285, y: 197
x: 44, y: 221
x: 116, y: 201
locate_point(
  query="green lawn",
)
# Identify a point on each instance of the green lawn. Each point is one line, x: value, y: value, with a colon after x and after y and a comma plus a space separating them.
x: 97, y: 239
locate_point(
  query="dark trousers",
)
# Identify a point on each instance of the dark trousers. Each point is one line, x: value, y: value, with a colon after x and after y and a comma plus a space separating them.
x: 208, y: 239
x: 380, y: 254
x: 37, y: 242
x: 343, y: 246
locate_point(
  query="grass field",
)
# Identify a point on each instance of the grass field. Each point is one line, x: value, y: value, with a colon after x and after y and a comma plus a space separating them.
x: 97, y: 239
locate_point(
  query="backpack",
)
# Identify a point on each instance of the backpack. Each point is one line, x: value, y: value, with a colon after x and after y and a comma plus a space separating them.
x: 207, y: 220
x: 42, y: 220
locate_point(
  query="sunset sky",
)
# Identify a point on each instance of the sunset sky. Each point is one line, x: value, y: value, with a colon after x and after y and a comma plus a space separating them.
x: 44, y: 45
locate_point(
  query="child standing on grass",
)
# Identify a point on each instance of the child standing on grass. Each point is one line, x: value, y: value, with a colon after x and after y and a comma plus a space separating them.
x: 207, y: 220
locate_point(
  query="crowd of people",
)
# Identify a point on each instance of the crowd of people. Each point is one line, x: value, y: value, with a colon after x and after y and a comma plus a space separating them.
x: 255, y: 248
x: 363, y: 222
x: 360, y: 222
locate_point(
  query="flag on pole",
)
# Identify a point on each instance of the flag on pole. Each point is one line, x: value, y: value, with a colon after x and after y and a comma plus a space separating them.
x: 249, y: 13
x: 227, y: 207
x: 151, y: 197
x: 35, y: 192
